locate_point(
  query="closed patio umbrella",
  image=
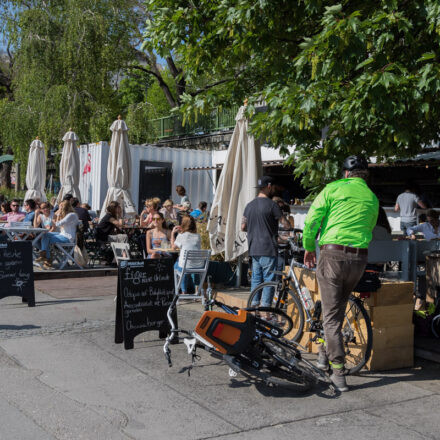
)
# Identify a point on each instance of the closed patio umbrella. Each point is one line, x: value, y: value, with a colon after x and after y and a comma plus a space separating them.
x: 235, y: 189
x: 69, y: 167
x: 36, y: 172
x: 119, y: 170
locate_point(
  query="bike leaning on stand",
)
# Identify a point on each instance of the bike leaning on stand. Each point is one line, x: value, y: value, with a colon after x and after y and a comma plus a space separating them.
x: 297, y: 303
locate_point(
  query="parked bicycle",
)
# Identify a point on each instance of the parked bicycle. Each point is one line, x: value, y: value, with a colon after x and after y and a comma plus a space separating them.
x: 295, y: 300
x: 250, y: 341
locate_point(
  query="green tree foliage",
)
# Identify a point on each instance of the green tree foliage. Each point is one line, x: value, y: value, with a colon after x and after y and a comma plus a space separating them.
x: 366, y: 72
x: 68, y: 55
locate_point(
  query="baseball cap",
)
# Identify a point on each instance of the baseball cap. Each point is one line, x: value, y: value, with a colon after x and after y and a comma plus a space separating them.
x: 67, y: 197
x: 264, y: 181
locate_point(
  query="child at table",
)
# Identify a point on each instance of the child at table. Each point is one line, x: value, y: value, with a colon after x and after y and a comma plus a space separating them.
x: 187, y: 240
x: 158, y: 238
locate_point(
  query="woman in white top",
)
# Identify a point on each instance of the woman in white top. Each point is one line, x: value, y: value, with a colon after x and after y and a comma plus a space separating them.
x: 67, y: 222
x: 187, y: 240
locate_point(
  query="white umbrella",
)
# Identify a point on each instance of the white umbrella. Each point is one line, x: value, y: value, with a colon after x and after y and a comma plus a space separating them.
x: 236, y: 188
x: 119, y: 170
x: 36, y: 172
x: 69, y: 167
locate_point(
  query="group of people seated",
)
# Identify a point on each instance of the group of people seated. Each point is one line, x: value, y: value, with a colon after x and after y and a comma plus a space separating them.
x: 60, y: 221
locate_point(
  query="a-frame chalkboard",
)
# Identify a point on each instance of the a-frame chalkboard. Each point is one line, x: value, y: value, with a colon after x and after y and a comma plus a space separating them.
x: 16, y: 271
x: 145, y: 291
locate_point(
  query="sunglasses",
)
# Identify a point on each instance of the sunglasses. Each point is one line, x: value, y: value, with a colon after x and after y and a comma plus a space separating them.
x: 13, y: 206
x: 156, y: 218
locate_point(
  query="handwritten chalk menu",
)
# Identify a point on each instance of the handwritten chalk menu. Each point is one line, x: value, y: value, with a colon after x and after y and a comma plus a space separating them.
x: 145, y: 291
x: 16, y: 271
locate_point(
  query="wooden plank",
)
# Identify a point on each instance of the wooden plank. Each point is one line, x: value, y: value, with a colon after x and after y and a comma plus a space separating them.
x: 391, y: 316
x: 307, y: 278
x: 394, y: 293
x: 390, y: 337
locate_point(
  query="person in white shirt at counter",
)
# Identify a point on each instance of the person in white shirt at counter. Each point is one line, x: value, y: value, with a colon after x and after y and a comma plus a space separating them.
x: 429, y: 229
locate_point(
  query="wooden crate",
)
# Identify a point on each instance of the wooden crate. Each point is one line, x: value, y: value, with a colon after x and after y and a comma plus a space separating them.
x: 391, y: 316
x: 391, y: 337
x: 394, y: 293
x: 391, y: 358
x: 307, y: 278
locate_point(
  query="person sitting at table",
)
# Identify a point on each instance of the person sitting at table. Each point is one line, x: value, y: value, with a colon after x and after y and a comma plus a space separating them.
x: 5, y: 207
x: 110, y: 225
x: 430, y: 229
x: 29, y: 207
x: 187, y: 240
x: 201, y: 214
x: 146, y: 218
x: 44, y: 217
x: 158, y: 238
x: 82, y: 214
x: 67, y: 222
x: 168, y: 211
x: 15, y: 215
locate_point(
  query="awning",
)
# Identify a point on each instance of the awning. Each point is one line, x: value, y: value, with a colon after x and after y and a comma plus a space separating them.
x: 266, y: 163
x: 422, y: 160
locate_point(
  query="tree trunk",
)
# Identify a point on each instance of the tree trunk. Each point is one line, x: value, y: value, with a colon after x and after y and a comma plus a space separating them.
x: 5, y: 174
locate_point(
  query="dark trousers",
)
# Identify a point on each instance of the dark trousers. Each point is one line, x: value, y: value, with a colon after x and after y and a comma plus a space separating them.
x: 338, y: 272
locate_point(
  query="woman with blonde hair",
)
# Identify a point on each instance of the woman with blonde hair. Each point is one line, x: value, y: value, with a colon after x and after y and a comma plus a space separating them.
x: 187, y: 240
x: 67, y: 221
x: 151, y: 208
x: 168, y: 211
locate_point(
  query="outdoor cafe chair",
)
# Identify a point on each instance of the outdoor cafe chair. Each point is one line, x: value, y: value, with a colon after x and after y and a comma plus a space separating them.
x: 199, y: 259
x: 66, y: 254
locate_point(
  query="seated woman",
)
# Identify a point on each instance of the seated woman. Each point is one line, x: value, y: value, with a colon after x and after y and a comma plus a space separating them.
x: 67, y: 222
x: 146, y: 217
x: 108, y: 227
x: 187, y: 240
x: 158, y: 238
x: 44, y: 216
x: 430, y: 229
x: 168, y: 211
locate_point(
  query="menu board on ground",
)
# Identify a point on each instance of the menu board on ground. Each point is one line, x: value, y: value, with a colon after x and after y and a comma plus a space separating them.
x: 16, y: 271
x: 145, y: 291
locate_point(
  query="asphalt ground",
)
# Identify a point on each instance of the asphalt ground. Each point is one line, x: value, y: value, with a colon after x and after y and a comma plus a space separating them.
x: 63, y: 377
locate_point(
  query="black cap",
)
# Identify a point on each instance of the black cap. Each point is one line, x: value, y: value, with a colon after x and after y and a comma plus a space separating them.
x: 67, y: 197
x: 264, y: 181
x: 355, y: 163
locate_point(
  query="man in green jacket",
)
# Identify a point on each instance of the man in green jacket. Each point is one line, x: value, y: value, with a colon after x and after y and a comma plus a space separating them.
x: 346, y: 212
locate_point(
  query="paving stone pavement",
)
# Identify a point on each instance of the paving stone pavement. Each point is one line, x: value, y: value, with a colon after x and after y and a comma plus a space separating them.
x: 62, y: 377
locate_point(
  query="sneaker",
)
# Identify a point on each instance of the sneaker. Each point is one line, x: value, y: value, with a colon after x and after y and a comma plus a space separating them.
x: 322, y: 362
x: 339, y: 381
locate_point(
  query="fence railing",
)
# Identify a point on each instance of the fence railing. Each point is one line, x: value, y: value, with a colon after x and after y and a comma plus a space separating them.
x: 217, y: 120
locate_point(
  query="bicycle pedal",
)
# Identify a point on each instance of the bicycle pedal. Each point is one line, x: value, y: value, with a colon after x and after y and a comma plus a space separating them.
x: 232, y: 373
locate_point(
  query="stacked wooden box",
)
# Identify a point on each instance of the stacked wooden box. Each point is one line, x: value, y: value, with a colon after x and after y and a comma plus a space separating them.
x: 390, y: 310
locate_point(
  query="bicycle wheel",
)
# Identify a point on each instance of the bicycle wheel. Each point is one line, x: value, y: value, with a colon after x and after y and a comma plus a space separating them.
x: 274, y: 317
x: 357, y: 335
x: 285, y: 300
x: 290, y: 366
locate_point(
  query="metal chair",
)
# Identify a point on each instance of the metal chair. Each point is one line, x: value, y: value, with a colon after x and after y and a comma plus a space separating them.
x: 66, y: 253
x: 196, y: 262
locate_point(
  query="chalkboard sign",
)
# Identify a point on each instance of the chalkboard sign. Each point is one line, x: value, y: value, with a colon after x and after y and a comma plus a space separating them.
x: 145, y: 291
x: 16, y: 271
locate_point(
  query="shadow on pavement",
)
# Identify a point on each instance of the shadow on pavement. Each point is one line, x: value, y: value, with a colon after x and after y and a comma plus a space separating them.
x: 18, y: 327
x: 62, y: 301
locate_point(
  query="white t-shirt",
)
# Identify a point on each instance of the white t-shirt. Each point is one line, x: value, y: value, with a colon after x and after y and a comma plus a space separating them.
x: 188, y: 241
x: 408, y: 203
x: 68, y: 226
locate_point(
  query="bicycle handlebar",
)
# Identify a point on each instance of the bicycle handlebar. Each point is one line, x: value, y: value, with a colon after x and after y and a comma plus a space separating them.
x: 296, y: 248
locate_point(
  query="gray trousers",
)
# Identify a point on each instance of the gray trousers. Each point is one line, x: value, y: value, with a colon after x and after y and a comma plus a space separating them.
x: 338, y: 272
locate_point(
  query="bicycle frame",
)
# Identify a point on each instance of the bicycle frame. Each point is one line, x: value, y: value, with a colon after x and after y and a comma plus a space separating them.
x: 291, y: 276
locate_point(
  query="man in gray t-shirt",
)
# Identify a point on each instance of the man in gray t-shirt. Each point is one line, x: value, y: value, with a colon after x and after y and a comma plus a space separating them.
x: 407, y: 203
